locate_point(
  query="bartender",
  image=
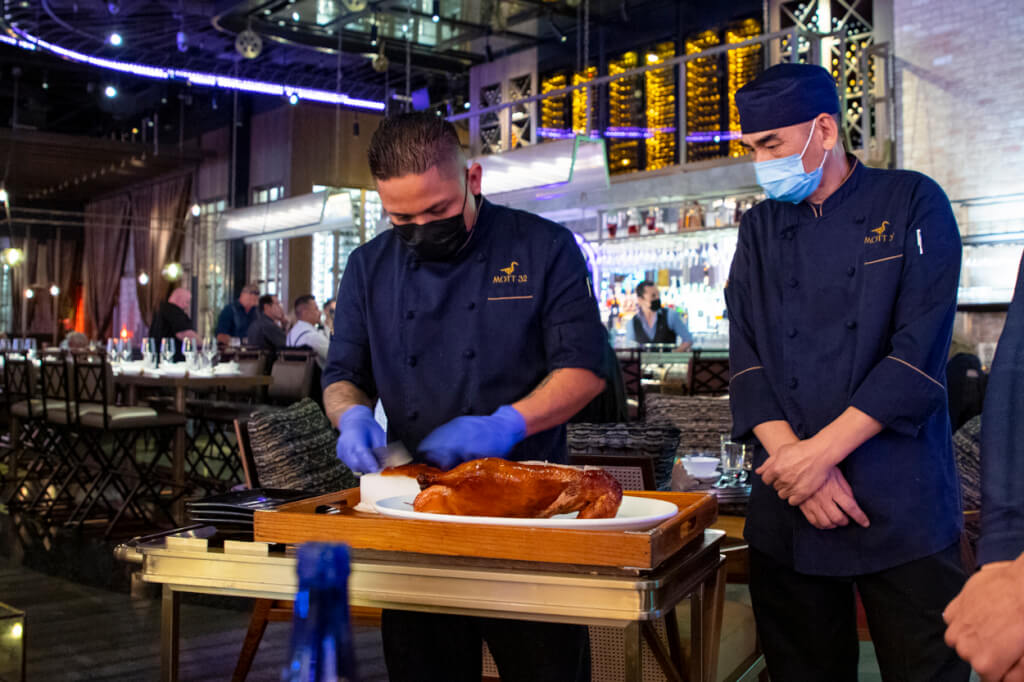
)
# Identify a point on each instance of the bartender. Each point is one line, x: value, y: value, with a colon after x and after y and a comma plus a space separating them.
x: 841, y: 301
x: 477, y: 328
x: 655, y: 324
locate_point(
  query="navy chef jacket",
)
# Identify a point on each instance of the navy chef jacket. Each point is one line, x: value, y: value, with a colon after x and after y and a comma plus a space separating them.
x: 437, y: 340
x: 1002, y: 442
x: 851, y: 303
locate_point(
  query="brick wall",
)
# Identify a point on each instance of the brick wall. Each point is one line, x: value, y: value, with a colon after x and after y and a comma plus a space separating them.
x: 960, y: 93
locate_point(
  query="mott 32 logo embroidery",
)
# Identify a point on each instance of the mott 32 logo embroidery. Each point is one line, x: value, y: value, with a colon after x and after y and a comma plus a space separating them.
x: 509, y: 276
x: 880, y: 235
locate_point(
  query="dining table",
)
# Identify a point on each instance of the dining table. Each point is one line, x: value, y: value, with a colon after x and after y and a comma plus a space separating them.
x: 181, y: 384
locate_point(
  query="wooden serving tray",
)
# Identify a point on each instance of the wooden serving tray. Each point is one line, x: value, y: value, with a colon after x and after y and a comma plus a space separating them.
x: 298, y: 522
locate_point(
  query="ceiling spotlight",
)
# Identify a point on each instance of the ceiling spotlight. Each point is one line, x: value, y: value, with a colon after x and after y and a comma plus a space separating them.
x: 54, y: 290
x: 293, y: 99
x: 554, y: 27
x: 268, y: 11
x: 3, y: 196
x: 143, y: 279
x: 29, y: 293
x: 466, y: 105
x: 435, y: 16
x: 110, y: 91
x: 46, y: 83
x: 115, y: 39
x: 196, y: 210
x: 373, y: 35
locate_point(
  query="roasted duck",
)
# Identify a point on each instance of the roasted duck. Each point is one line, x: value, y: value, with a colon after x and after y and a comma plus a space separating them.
x: 498, y: 487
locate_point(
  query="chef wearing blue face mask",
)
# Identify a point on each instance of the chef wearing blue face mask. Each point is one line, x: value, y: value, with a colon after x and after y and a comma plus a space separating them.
x: 841, y: 300
x: 477, y: 328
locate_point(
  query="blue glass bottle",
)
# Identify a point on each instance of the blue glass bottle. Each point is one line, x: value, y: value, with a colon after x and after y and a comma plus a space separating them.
x: 321, y: 649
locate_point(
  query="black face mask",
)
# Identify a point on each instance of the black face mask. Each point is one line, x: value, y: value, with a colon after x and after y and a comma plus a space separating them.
x: 438, y: 240
x: 655, y: 305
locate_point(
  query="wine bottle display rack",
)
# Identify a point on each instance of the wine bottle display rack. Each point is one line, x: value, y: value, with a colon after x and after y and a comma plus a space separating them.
x: 625, y: 114
x: 703, y: 97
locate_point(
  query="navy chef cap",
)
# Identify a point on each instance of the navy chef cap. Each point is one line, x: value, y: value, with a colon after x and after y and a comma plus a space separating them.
x: 784, y: 95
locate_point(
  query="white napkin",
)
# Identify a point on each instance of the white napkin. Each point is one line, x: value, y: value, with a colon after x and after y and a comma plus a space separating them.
x: 176, y: 369
x: 227, y: 368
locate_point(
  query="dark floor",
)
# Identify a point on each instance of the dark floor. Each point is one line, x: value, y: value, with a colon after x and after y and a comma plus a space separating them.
x: 76, y: 632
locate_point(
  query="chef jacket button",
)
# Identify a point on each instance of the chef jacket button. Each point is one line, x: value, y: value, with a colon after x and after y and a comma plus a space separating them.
x: 793, y: 383
x: 791, y: 333
x: 793, y: 282
x: 411, y: 416
x: 409, y: 314
x: 850, y: 271
x: 471, y: 305
x: 468, y: 409
x: 411, y: 360
x: 851, y: 324
x: 469, y: 354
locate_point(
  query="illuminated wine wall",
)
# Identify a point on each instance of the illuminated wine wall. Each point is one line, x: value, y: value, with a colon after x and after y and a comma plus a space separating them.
x: 582, y: 114
x: 660, y: 86
x: 744, y: 63
x: 703, y: 97
x: 625, y: 99
x: 554, y: 112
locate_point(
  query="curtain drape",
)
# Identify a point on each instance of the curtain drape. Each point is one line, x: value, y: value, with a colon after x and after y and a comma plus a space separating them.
x: 162, y: 209
x: 107, y: 229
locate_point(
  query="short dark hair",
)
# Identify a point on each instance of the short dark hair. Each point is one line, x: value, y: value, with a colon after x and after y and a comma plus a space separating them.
x: 250, y: 289
x: 265, y: 300
x: 328, y: 302
x: 412, y: 144
x: 643, y: 286
x: 301, y: 301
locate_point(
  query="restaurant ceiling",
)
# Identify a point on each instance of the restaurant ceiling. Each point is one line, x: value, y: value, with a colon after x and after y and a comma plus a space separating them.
x: 72, y: 169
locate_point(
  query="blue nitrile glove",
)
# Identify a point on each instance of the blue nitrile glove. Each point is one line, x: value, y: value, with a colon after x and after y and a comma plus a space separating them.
x: 465, y: 438
x: 360, y: 432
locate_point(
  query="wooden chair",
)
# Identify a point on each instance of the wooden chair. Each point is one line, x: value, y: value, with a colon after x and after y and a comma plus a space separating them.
x: 293, y: 376
x: 708, y: 374
x: 632, y: 376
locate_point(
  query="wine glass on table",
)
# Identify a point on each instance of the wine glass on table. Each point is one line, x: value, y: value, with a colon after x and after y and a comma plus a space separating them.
x: 113, y: 352
x: 168, y: 348
x: 149, y: 353
x: 209, y: 350
x: 188, y: 349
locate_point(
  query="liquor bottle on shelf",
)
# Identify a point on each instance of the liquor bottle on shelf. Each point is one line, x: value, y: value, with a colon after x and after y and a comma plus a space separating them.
x: 321, y: 645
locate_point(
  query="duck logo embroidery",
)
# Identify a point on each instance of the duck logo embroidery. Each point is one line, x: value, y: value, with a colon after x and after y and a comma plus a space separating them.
x: 880, y: 234
x: 508, y: 275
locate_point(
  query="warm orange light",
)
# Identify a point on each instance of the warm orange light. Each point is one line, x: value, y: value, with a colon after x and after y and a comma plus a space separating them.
x: 124, y: 332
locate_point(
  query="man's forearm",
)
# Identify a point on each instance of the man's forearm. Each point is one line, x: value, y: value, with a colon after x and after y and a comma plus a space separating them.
x: 846, y: 433
x: 340, y: 396
x: 774, y: 434
x: 557, y: 398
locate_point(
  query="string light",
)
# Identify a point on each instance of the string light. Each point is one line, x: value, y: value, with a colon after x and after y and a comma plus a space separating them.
x: 54, y: 290
x: 172, y: 271
x: 13, y: 256
x: 110, y: 91
x: 435, y: 16
x: 196, y: 210
x: 3, y: 196
x: 115, y: 39
x: 143, y: 279
x: 29, y: 293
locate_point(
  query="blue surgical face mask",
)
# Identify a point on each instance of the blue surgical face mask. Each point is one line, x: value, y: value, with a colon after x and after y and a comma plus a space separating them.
x: 785, y: 179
